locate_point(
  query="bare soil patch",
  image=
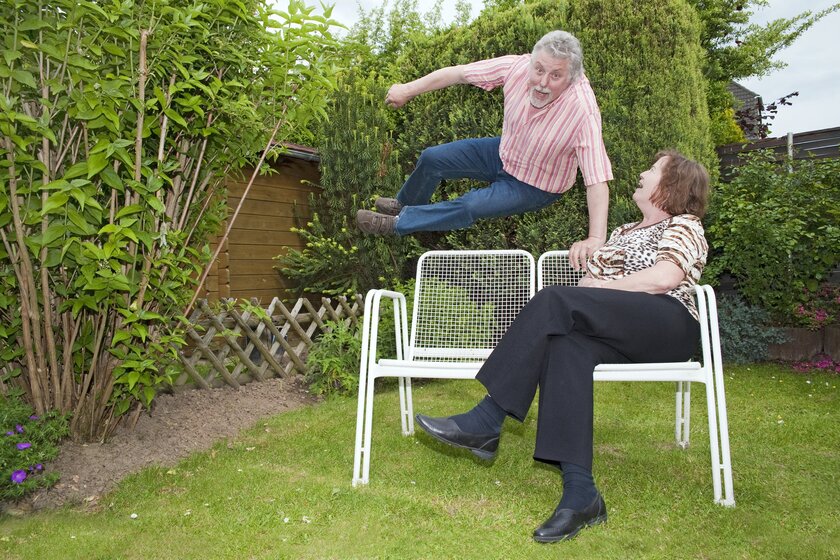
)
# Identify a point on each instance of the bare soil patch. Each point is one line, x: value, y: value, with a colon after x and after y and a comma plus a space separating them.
x: 179, y: 424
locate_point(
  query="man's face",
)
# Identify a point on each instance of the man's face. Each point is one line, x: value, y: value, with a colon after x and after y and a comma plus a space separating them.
x: 548, y: 78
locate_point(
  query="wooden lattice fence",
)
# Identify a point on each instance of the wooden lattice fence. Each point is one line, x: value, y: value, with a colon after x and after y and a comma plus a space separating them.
x: 235, y: 342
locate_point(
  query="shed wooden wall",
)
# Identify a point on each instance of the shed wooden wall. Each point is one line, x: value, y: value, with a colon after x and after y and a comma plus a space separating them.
x: 245, y: 267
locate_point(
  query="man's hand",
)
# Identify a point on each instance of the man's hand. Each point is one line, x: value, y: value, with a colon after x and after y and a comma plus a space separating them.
x: 398, y: 95
x: 582, y: 250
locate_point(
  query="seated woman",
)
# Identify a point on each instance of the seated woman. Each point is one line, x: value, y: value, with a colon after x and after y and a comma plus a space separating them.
x: 635, y: 304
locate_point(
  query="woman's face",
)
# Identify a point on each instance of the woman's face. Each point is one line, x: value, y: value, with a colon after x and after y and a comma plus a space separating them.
x: 649, y: 181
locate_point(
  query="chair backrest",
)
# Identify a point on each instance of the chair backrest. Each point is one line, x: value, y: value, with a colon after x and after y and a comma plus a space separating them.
x: 464, y: 301
x: 554, y: 269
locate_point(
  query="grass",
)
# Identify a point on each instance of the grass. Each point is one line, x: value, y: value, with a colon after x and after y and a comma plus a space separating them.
x: 282, y: 489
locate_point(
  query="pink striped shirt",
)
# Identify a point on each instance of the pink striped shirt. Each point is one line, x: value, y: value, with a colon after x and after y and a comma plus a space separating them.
x: 545, y: 147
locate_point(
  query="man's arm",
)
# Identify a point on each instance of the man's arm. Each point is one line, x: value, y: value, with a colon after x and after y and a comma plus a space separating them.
x: 597, y: 203
x: 400, y: 94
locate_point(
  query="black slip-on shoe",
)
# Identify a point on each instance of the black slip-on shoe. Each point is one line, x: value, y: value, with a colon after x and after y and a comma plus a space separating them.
x: 564, y: 524
x: 445, y: 429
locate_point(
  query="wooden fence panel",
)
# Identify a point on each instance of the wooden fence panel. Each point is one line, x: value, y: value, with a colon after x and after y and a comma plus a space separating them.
x: 243, y: 342
x: 823, y: 143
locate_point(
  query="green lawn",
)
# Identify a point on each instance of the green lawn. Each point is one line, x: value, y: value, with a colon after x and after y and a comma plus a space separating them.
x: 282, y: 490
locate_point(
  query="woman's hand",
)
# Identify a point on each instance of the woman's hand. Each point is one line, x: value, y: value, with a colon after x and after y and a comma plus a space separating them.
x: 592, y: 282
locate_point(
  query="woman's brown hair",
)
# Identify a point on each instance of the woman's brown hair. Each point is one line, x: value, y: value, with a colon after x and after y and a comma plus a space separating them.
x: 684, y: 186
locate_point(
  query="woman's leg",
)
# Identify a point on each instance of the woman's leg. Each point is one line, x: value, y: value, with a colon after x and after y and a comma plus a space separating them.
x: 637, y: 327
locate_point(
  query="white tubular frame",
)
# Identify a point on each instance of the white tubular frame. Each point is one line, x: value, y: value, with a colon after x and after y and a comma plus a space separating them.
x: 410, y: 361
x: 405, y: 366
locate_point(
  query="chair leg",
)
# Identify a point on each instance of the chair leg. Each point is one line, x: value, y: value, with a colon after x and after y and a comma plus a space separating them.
x: 368, y: 430
x: 406, y: 406
x: 714, y: 447
x: 683, y: 423
x: 361, y: 443
x: 362, y: 448
x: 726, y: 459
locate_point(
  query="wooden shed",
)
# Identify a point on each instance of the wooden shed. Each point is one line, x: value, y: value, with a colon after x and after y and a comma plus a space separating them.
x: 245, y: 267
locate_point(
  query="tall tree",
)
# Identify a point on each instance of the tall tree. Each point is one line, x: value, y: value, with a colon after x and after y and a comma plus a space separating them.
x: 736, y: 48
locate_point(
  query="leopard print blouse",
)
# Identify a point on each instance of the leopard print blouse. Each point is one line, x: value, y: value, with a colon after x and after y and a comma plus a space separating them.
x: 678, y: 239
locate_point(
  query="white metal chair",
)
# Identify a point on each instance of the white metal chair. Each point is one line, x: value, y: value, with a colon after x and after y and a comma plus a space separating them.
x: 464, y: 302
x: 553, y: 268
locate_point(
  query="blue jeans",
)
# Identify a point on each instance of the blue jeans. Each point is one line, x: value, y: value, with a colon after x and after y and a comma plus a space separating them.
x: 478, y: 159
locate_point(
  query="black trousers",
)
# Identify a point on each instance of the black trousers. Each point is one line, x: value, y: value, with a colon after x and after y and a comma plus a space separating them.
x: 555, y: 343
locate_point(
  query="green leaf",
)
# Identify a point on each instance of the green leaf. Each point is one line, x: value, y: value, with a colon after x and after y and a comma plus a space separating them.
x: 53, y: 233
x: 128, y: 210
x: 176, y: 117
x: 10, y: 56
x: 25, y: 77
x: 96, y: 163
x: 55, y: 202
x: 110, y: 178
x: 147, y: 395
x: 120, y: 336
x: 77, y: 219
x: 114, y: 50
x: 76, y: 171
x: 155, y: 203
x: 54, y: 258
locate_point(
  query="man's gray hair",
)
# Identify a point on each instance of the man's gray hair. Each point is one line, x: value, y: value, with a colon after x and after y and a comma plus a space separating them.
x: 562, y: 44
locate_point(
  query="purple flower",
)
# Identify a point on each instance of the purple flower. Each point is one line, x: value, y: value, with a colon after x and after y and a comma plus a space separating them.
x: 19, y: 429
x: 34, y: 417
x: 18, y: 476
x: 10, y: 433
x: 39, y: 467
x: 24, y: 445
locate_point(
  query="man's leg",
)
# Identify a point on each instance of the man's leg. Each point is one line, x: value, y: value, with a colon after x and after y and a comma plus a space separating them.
x: 475, y: 158
x: 506, y: 196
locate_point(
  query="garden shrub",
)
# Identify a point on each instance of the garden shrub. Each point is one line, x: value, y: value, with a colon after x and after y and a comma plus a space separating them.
x: 27, y: 443
x: 746, y: 331
x: 118, y: 122
x: 332, y: 365
x: 819, y: 308
x: 358, y: 161
x: 775, y: 227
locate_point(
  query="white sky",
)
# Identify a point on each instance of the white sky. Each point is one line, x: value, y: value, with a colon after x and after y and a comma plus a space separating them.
x: 813, y: 61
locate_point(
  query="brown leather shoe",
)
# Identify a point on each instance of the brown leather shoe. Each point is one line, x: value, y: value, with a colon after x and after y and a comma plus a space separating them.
x: 388, y: 206
x: 375, y: 224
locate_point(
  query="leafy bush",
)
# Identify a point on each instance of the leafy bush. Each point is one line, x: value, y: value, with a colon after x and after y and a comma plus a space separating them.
x: 358, y: 162
x: 324, y: 265
x: 27, y: 443
x: 118, y: 121
x: 820, y: 308
x: 776, y: 228
x: 332, y: 366
x: 745, y: 331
